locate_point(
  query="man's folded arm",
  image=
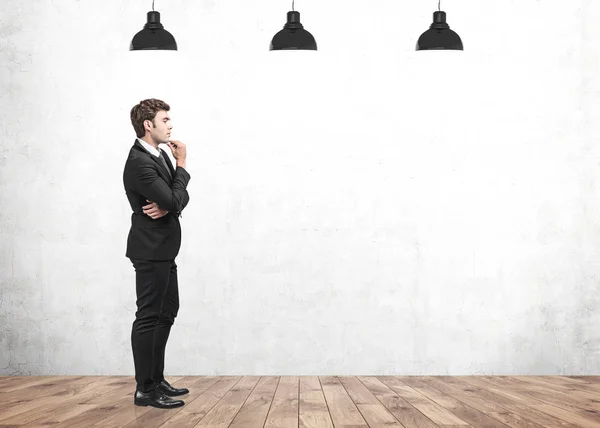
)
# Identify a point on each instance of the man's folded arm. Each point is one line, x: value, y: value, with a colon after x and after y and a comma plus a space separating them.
x: 145, y: 180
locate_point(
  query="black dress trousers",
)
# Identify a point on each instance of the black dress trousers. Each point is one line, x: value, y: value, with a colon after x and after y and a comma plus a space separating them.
x: 157, y: 306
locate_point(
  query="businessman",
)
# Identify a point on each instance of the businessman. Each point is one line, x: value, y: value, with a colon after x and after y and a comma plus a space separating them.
x: 157, y: 195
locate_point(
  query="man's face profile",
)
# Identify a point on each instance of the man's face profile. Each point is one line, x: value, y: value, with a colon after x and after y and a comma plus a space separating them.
x: 160, y: 127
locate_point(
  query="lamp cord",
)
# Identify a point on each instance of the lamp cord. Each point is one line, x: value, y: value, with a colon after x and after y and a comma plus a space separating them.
x: 293, y: 5
x: 439, y: 1
x: 152, y: 5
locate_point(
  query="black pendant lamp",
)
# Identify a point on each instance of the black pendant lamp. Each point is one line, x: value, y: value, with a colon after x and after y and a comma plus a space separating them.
x: 153, y: 36
x: 439, y: 36
x: 293, y: 36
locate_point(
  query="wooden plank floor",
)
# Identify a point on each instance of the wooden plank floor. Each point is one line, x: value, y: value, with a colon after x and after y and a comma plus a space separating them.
x: 307, y: 402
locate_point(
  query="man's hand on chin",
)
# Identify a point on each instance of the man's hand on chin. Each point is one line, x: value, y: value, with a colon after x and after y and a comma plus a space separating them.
x: 153, y: 210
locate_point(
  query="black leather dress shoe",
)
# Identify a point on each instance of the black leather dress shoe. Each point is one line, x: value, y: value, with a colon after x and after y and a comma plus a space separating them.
x: 167, y: 389
x: 156, y: 399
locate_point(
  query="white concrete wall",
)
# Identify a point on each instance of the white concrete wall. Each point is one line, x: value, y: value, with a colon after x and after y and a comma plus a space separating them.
x: 363, y: 209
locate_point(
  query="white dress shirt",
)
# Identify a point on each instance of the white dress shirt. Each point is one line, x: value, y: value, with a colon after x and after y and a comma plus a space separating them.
x: 149, y: 147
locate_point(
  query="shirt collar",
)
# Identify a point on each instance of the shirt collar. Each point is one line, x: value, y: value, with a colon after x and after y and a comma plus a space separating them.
x: 148, y: 147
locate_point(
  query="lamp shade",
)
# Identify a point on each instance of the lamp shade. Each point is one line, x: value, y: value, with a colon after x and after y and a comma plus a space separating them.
x: 153, y: 36
x: 439, y: 36
x: 293, y: 36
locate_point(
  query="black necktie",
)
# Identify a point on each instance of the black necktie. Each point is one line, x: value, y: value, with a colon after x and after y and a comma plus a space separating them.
x: 164, y: 162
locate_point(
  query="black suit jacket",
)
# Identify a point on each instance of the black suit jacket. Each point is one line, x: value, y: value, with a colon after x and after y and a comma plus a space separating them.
x: 145, y: 177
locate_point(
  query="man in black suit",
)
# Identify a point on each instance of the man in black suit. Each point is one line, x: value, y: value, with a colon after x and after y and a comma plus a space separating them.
x: 157, y: 195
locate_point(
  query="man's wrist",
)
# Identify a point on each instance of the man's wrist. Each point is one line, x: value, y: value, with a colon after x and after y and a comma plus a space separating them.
x: 181, y: 163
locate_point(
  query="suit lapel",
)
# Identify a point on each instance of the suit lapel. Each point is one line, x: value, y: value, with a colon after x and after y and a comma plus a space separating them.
x: 161, y: 167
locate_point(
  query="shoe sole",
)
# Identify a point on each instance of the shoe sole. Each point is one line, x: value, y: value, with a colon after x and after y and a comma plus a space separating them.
x: 158, y: 407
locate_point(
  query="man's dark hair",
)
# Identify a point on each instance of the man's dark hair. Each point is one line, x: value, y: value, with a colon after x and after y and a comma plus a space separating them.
x: 146, y: 110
